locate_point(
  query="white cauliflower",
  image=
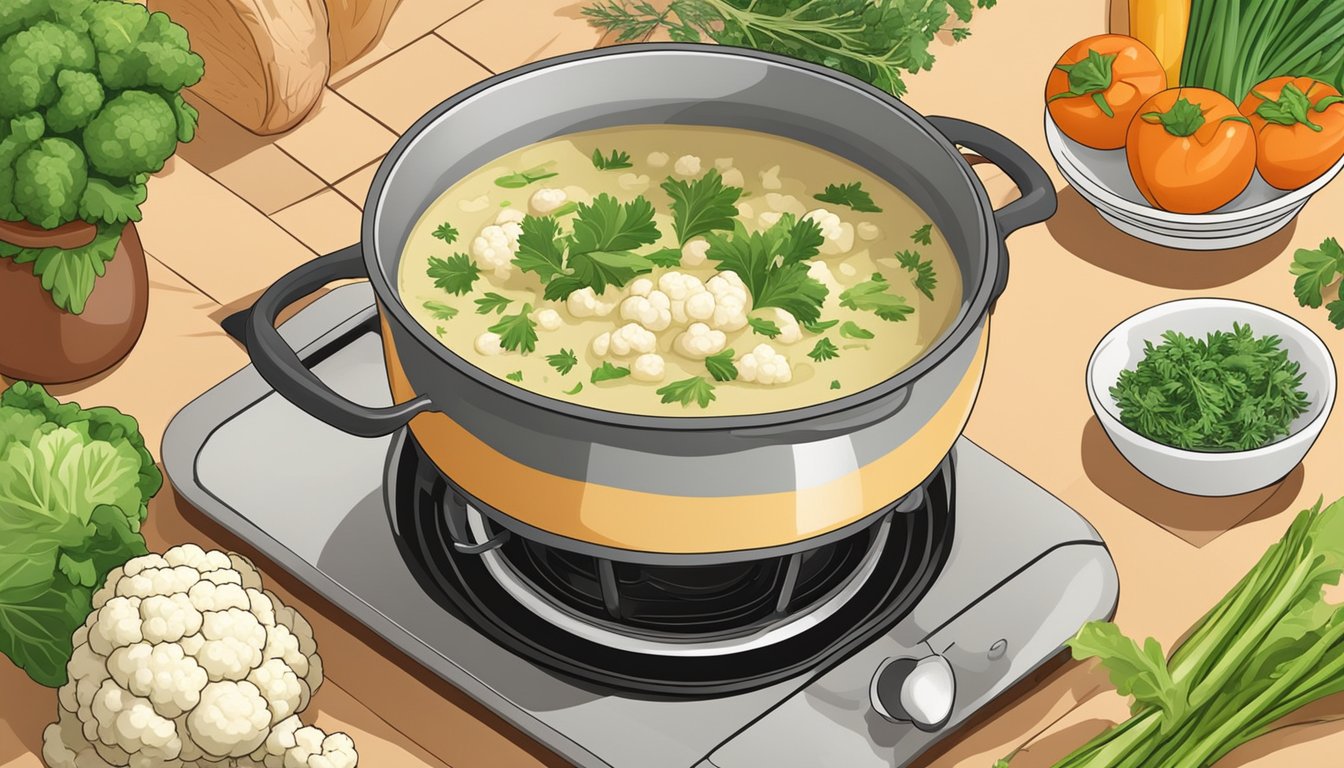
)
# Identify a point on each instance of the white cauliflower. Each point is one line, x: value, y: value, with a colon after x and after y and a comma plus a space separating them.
x: 687, y: 165
x: 548, y: 319
x: 770, y: 178
x: 789, y: 330
x: 700, y: 341
x: 868, y: 231
x: 585, y: 303
x: 652, y: 310
x: 681, y: 288
x: 733, y: 177
x: 648, y: 367
x: 693, y: 252
x: 510, y: 214
x: 821, y: 272
x: 631, y: 337
x: 186, y: 662
x: 489, y: 343
x: 547, y: 199
x: 764, y: 365
x: 839, y: 235
x: 731, y: 302
x: 497, y: 244
x: 657, y: 159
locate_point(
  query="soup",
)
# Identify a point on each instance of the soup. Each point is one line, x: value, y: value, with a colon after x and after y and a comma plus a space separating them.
x: 680, y: 271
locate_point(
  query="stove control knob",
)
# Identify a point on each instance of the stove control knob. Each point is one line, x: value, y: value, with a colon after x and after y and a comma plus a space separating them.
x: 916, y: 691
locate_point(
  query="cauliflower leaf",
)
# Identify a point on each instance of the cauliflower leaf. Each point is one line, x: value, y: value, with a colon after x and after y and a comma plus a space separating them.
x: 110, y: 203
x: 69, y: 274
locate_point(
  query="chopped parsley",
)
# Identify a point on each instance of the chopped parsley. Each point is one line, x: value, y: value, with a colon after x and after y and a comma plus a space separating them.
x: 563, y: 361
x: 608, y: 372
x: 576, y: 389
x: 821, y: 326
x: 665, y: 257
x: 701, y: 206
x: 852, y: 330
x: 925, y: 278
x: 515, y: 376
x: 770, y: 263
x: 446, y: 232
x: 720, y: 366
x: 523, y: 178
x: 825, y: 349
x: 923, y: 235
x: 517, y: 332
x: 835, y: 383
x: 1317, y: 271
x: 440, y: 331
x: 767, y: 328
x: 849, y: 195
x: 616, y: 161
x: 455, y: 274
x: 874, y: 296
x: 599, y: 252
x: 693, y: 390
x: 492, y: 302
x: 440, y: 311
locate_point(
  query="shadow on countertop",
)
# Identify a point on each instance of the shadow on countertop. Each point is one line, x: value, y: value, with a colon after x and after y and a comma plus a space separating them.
x: 1197, y: 520
x: 1083, y: 232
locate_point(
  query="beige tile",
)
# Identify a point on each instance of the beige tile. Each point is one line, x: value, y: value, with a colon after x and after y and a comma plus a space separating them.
x: 268, y: 179
x: 324, y: 222
x: 355, y: 187
x: 219, y: 140
x: 337, y: 139
x: 412, y: 20
x: 438, y: 69
x: 502, y: 34
x: 212, y: 237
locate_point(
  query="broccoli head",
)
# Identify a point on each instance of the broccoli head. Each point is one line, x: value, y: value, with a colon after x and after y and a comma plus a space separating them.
x: 49, y: 181
x: 81, y: 96
x: 134, y: 133
x: 138, y: 49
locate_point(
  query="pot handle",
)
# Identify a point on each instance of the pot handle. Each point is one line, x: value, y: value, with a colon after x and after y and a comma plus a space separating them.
x: 281, y: 367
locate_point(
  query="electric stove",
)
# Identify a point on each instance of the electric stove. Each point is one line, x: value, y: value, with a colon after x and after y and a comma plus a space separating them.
x: 913, y: 645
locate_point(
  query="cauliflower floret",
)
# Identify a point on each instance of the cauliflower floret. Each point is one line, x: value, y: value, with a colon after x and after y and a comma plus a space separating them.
x: 654, y: 311
x: 64, y: 745
x: 489, y: 343
x: 585, y: 303
x: 632, y: 182
x: 209, y: 596
x: 231, y: 721
x: 839, y: 235
x: 687, y: 165
x: 868, y: 231
x: 700, y: 341
x: 649, y: 367
x: 693, y: 252
x: 784, y: 204
x: 789, y: 330
x: 294, y: 745
x: 731, y: 302
x: 821, y: 272
x: 681, y: 288
x: 158, y: 581
x: 507, y: 215
x: 629, y: 338
x: 733, y: 177
x: 193, y: 556
x: 130, y: 723
x: 657, y: 159
x: 770, y: 178
x: 547, y: 199
x: 163, y: 674
x: 602, y: 344
x: 640, y: 287
x: 496, y: 246
x: 548, y: 319
x: 233, y: 643
x: 118, y: 625
x: 284, y: 692
x: 764, y: 365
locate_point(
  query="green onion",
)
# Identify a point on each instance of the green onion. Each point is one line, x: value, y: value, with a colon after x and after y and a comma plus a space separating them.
x: 1234, y: 44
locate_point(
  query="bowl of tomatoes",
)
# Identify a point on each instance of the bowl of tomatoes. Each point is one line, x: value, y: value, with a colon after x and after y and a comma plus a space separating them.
x: 1188, y: 167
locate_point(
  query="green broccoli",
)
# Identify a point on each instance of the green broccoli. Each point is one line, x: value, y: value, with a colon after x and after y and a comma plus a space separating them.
x: 21, y: 133
x: 142, y: 50
x: 134, y: 133
x: 49, y: 180
x: 7, y: 210
x: 81, y: 98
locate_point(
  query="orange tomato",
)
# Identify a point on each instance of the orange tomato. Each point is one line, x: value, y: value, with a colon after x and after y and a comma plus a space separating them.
x: 1097, y: 86
x: 1190, y: 150
x: 1299, y: 129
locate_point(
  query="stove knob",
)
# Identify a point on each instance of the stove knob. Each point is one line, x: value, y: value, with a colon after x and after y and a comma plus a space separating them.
x: 916, y: 691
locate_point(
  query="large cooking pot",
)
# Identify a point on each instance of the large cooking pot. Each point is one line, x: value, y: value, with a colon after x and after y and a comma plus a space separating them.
x: 658, y: 484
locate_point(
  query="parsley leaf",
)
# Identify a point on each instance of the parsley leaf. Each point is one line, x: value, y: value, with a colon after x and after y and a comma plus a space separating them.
x: 960, y: 33
x: 872, y: 296
x: 824, y: 350
x: 492, y: 302
x: 687, y: 391
x: 517, y: 332
x: 1316, y: 271
x: 523, y: 178
x: 925, y: 278
x: 767, y: 328
x: 455, y: 274
x: 515, y: 376
x: 701, y: 206
x: 617, y: 160
x: 540, y: 247
x: 440, y: 331
x: 852, y: 330
x: 835, y: 383
x: 608, y: 372
x: 923, y: 235
x: 446, y: 232
x: 770, y: 264
x: 721, y: 366
x: 605, y: 233
x: 441, y: 311
x: 849, y: 195
x: 563, y: 361
x: 574, y: 390
x: 820, y: 326
x: 1336, y: 309
x: 665, y: 257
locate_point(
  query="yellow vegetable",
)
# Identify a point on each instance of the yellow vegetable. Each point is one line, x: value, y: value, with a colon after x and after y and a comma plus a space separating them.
x: 1161, y: 25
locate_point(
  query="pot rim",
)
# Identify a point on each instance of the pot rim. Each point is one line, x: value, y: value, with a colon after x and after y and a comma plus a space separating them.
x: 963, y: 327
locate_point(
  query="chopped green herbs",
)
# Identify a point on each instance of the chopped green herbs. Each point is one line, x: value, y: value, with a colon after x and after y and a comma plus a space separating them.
x: 574, y: 390
x: 492, y: 302
x: 849, y: 195
x: 616, y: 161
x: 721, y: 367
x: 1228, y: 392
x: 446, y: 232
x: 440, y: 331
x: 563, y: 361
x: 440, y: 311
x: 852, y: 330
x: 517, y: 332
x: 515, y: 376
x: 925, y: 278
x: 923, y: 235
x: 825, y: 349
x: 693, y: 390
x: 767, y: 328
x: 665, y: 257
x: 770, y: 263
x: 835, y: 383
x: 455, y: 274
x: 820, y: 326
x: 608, y: 372
x: 599, y: 252
x: 523, y: 178
x: 1317, y: 272
x: 701, y: 206
x: 874, y: 296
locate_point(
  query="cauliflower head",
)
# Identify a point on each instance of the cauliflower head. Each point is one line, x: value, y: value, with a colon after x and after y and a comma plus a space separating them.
x: 187, y: 661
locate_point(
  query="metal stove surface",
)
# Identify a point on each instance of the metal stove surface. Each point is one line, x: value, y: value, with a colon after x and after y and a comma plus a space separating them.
x: 1024, y: 573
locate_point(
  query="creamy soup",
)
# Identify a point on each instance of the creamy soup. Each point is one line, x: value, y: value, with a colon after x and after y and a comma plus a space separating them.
x: 680, y: 271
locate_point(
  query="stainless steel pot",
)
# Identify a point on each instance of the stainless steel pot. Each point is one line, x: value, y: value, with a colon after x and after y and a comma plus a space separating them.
x: 678, y: 485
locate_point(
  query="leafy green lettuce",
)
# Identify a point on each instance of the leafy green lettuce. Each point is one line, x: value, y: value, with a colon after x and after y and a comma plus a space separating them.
x: 74, y: 488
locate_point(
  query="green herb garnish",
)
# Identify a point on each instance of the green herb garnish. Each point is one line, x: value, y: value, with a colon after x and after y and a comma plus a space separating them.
x: 440, y: 311
x: 923, y: 235
x: 770, y: 263
x: 687, y: 391
x: 835, y: 383
x: 850, y: 195
x: 874, y: 296
x: 616, y: 161
x: 563, y: 361
x: 1317, y: 271
x: 701, y: 206
x: 517, y: 332
x: 721, y: 366
x: 1228, y: 392
x: 440, y: 331
x: 492, y: 302
x: 541, y: 249
x: 767, y: 328
x: 599, y: 252
x: 852, y: 330
x: 446, y: 232
x: 515, y: 376
x: 820, y: 326
x: 455, y: 274
x: 574, y: 390
x: 665, y: 257
x: 523, y: 178
x: 825, y: 349
x: 609, y: 372
x: 925, y: 278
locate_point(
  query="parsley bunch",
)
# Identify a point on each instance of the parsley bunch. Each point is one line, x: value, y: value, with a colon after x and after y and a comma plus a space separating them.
x: 1230, y: 392
x: 1317, y: 273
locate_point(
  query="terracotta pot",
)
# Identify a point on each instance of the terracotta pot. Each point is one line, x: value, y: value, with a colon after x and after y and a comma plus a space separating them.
x: 43, y: 343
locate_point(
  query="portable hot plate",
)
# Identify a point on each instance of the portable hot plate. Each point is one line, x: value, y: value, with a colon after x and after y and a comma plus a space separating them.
x: 862, y: 650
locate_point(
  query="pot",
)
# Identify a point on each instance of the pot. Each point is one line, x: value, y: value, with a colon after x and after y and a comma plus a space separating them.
x: 692, y: 486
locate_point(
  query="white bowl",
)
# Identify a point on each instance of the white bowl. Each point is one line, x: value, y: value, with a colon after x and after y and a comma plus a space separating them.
x: 1102, y: 177
x: 1207, y: 473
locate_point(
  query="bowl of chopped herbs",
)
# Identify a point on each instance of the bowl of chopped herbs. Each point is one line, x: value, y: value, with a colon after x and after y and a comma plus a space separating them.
x: 1212, y: 397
